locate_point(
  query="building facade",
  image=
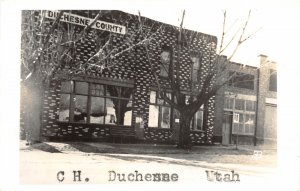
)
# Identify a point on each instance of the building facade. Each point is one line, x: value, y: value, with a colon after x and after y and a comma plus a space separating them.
x: 246, y: 108
x: 121, y: 102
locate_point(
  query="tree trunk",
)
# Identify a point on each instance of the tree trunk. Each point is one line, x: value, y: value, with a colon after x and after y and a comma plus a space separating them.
x: 32, y: 106
x: 184, y: 132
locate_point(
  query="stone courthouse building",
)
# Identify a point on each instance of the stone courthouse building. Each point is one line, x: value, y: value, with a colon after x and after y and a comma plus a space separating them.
x: 120, y: 103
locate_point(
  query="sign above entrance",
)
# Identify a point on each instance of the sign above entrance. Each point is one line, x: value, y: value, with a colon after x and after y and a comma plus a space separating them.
x: 84, y: 21
x: 236, y: 117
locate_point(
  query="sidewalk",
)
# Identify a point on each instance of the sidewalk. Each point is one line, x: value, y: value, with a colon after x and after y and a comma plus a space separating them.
x: 213, y: 157
x: 104, y: 147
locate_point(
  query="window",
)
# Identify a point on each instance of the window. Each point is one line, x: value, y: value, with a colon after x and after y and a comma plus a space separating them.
x: 273, y: 81
x: 197, y: 121
x: 195, y: 68
x: 159, y: 111
x: 241, y: 80
x: 239, y: 104
x: 165, y: 63
x: 245, y: 109
x: 250, y: 105
x: 228, y: 103
x: 245, y: 125
x: 64, y: 106
x: 84, y: 102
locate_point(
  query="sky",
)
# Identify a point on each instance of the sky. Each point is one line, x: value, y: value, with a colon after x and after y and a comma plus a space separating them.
x: 277, y: 20
x: 277, y: 24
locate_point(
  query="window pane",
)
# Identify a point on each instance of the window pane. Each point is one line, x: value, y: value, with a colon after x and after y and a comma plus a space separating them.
x: 165, y: 117
x: 239, y: 104
x: 241, y: 80
x: 187, y: 97
x: 67, y: 86
x: 165, y: 57
x: 235, y: 128
x: 241, y: 118
x: 196, y: 63
x: 165, y: 62
x: 81, y: 87
x: 241, y: 128
x: 273, y: 80
x: 113, y: 91
x: 97, y: 110
x: 252, y: 129
x: 124, y: 111
x: 247, y: 130
x: 97, y: 89
x: 195, y: 69
x: 110, y: 117
x: 195, y: 75
x: 160, y: 100
x: 198, y: 120
x: 127, y: 118
x: 64, y: 107
x: 176, y: 114
x: 169, y: 95
x: 228, y: 103
x: 153, y: 116
x: 164, y: 70
x: 251, y: 124
x: 250, y: 105
x: 249, y: 119
x: 129, y: 103
x: 80, y: 110
x: 152, y: 96
x: 126, y: 92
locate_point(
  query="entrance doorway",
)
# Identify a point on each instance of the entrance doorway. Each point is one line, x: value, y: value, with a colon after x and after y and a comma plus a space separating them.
x: 226, y: 128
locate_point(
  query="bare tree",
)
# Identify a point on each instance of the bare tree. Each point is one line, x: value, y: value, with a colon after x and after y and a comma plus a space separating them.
x: 208, y: 83
x: 48, y: 49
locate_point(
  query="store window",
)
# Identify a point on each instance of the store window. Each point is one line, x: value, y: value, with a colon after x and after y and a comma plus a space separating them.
x: 245, y: 125
x: 159, y: 111
x: 245, y: 110
x: 84, y: 102
x: 273, y: 81
x: 165, y: 62
x: 241, y: 80
x: 64, y: 106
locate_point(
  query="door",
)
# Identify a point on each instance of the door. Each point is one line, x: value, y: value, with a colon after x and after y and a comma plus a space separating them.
x: 226, y: 128
x: 270, y: 126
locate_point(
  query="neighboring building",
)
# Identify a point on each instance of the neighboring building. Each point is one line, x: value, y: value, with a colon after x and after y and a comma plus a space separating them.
x: 122, y: 102
x: 246, y: 109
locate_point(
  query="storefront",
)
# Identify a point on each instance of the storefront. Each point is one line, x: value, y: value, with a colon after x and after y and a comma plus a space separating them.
x: 246, y: 109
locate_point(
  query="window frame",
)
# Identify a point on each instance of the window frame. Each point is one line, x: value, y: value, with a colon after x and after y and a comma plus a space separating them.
x: 160, y: 108
x: 193, y: 79
x: 166, y: 69
x: 89, y: 95
x: 272, y: 80
x: 243, y: 113
x: 237, y: 83
x: 194, y: 119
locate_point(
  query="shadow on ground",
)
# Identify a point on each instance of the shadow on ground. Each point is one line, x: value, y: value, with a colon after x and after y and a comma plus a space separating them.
x: 42, y: 147
x: 161, y: 153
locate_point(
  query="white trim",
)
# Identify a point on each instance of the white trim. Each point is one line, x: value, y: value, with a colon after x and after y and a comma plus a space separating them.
x: 240, y: 96
x: 271, y: 101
